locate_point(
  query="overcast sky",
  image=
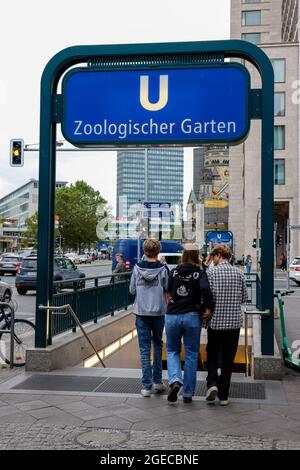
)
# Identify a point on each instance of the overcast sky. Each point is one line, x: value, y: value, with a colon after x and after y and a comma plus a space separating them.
x: 32, y: 31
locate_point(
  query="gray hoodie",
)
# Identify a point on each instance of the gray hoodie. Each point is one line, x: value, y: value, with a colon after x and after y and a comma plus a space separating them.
x: 149, y: 285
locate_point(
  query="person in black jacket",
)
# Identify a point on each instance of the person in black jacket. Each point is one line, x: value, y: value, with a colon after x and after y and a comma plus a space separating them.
x: 190, y: 300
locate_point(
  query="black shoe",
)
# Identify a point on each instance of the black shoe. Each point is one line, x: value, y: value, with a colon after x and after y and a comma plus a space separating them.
x: 187, y: 399
x: 174, y: 389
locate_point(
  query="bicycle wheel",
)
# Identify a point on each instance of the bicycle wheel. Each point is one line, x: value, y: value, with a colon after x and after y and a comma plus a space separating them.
x: 23, y: 340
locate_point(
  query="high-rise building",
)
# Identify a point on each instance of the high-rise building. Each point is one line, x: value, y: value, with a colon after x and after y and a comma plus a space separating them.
x: 150, y: 175
x: 272, y: 26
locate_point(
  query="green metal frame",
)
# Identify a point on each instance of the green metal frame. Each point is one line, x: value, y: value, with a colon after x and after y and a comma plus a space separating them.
x: 160, y: 55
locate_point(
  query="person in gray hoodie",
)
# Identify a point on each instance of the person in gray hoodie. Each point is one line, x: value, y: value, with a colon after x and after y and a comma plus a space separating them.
x: 149, y: 283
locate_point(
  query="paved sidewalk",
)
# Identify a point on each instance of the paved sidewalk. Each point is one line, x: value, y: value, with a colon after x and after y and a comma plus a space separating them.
x: 44, y: 419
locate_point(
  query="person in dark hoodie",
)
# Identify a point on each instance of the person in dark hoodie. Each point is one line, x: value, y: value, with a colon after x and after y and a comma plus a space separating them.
x: 190, y: 302
x: 149, y: 283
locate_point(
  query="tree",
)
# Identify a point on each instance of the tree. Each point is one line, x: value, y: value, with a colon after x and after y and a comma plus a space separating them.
x: 77, y: 207
x: 31, y: 233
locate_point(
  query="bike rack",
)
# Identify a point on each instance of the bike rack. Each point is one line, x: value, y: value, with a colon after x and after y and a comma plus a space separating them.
x: 62, y: 310
x: 11, y: 331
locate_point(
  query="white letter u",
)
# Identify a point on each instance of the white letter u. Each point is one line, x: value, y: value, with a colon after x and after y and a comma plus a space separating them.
x: 163, y: 93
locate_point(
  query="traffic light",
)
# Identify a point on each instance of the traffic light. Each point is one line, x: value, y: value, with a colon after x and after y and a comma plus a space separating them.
x: 279, y: 240
x: 17, y: 152
x: 254, y: 243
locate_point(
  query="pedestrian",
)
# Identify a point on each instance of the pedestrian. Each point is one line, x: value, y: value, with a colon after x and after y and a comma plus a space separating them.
x: 248, y: 264
x: 149, y: 282
x: 120, y: 267
x: 283, y: 262
x: 229, y: 291
x: 190, y: 302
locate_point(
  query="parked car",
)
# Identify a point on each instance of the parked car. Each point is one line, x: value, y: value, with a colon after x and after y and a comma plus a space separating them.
x: 5, y: 292
x: 9, y: 264
x: 73, y: 257
x: 64, y: 270
x: 84, y: 258
x: 295, y: 270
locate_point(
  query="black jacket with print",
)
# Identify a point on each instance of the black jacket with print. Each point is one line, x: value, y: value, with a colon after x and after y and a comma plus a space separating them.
x: 188, y: 289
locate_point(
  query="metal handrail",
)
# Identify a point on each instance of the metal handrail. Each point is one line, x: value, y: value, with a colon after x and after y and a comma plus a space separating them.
x: 247, y: 311
x: 11, y: 331
x: 66, y: 308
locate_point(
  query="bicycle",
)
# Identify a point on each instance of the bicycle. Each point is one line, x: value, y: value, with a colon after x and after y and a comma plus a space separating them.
x: 24, y: 335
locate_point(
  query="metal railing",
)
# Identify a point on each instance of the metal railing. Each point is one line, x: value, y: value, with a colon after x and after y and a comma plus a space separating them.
x: 91, y: 298
x: 11, y: 331
x: 63, y: 310
x: 250, y: 312
x: 253, y: 284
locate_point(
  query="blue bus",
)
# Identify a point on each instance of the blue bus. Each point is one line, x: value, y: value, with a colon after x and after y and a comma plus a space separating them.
x: 129, y: 249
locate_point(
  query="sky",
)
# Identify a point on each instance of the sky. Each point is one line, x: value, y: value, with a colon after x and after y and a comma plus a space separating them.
x: 32, y: 31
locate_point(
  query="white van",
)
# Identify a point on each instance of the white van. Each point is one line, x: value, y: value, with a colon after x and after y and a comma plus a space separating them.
x: 172, y: 259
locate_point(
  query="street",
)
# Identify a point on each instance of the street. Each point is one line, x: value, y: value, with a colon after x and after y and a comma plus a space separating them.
x: 26, y: 303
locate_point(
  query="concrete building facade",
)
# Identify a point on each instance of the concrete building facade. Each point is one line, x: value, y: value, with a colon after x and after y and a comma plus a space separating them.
x: 273, y: 26
x: 15, y: 208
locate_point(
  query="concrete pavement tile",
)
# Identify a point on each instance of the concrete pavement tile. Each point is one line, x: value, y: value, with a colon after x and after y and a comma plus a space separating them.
x: 104, y: 401
x: 32, y: 405
x: 95, y: 413
x: 110, y: 422
x: 45, y: 412
x: 133, y: 414
x: 258, y: 415
x: 75, y: 407
x: 288, y: 411
x: 61, y: 419
x: 178, y: 423
x: 264, y: 428
x: 19, y: 397
x: 19, y: 418
x: 293, y: 397
x: 61, y: 399
x: 7, y: 410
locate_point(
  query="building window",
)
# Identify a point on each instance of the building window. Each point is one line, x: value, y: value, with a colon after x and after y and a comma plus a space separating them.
x: 251, y: 18
x: 279, y: 70
x: 279, y: 177
x: 279, y: 103
x: 279, y: 137
x: 254, y: 38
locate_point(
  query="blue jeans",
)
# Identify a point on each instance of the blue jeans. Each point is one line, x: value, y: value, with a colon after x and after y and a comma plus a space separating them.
x: 188, y: 326
x: 150, y: 328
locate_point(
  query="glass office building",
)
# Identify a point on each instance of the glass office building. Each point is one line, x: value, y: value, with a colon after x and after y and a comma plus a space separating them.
x: 152, y: 175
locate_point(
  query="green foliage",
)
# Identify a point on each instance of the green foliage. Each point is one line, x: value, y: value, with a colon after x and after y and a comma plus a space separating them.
x: 31, y: 233
x: 77, y: 207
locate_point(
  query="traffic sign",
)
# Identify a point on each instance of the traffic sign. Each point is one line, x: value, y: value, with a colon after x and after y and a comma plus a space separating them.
x: 209, y: 203
x: 180, y: 106
x: 157, y: 209
x: 216, y: 237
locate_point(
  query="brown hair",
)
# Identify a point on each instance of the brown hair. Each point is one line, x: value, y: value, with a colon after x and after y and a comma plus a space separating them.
x: 191, y: 257
x: 120, y: 255
x: 151, y: 248
x: 221, y: 250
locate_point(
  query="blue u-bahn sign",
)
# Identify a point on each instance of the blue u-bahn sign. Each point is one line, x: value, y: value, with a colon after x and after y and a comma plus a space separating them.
x: 217, y: 237
x: 183, y: 106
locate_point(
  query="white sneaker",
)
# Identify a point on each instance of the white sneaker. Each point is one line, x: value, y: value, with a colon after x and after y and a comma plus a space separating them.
x: 146, y: 392
x: 211, y: 394
x: 159, y: 388
x: 224, y: 402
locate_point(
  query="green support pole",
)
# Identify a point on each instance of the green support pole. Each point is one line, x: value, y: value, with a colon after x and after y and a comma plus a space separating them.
x: 161, y: 53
